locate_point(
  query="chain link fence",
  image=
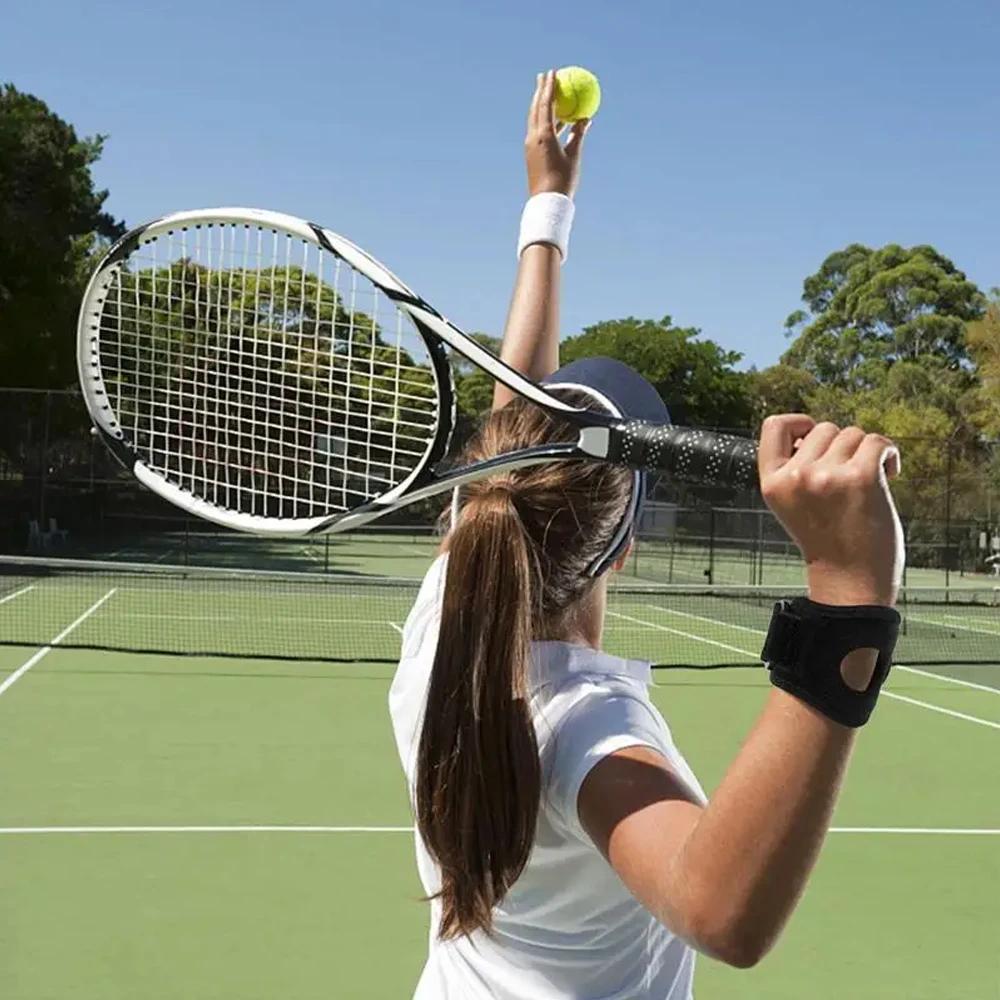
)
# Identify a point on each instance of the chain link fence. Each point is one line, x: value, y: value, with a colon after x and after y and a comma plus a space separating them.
x: 60, y: 489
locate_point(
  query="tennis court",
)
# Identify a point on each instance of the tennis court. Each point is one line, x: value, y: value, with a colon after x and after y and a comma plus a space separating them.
x: 236, y: 825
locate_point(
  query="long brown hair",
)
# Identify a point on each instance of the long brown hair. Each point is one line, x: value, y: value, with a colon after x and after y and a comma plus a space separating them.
x: 517, y: 569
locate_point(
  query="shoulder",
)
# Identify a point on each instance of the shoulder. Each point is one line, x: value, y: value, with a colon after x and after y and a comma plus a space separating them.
x: 591, y: 716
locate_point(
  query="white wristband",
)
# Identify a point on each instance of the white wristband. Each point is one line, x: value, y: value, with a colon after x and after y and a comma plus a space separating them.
x: 547, y: 218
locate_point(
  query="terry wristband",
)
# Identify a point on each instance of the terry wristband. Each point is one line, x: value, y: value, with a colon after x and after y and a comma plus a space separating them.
x: 547, y: 218
x: 807, y: 644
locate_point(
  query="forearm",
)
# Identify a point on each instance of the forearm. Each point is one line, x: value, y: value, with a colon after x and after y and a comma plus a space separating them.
x: 531, y: 335
x: 745, y: 863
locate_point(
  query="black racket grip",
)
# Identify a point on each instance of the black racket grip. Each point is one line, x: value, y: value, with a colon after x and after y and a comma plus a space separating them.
x: 687, y: 454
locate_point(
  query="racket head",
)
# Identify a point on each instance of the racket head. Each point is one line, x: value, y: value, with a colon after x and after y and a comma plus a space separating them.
x: 257, y: 370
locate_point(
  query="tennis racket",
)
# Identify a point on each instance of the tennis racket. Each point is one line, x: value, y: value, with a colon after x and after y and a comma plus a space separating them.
x: 268, y: 375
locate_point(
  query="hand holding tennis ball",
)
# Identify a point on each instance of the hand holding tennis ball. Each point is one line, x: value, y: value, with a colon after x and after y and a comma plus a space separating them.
x: 552, y: 165
x: 577, y: 95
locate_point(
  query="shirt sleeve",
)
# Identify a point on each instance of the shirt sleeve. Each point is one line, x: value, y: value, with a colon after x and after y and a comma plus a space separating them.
x: 602, y: 724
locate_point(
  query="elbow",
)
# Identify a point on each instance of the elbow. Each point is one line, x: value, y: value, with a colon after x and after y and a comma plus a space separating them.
x: 740, y: 955
x: 740, y: 951
x: 731, y: 939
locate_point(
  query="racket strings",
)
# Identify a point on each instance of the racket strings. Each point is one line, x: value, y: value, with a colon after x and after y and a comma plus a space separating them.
x: 254, y: 370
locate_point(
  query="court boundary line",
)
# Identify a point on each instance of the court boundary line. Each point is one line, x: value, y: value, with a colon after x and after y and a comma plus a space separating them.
x: 946, y: 624
x: 886, y: 694
x: 10, y: 681
x: 755, y: 631
x: 17, y: 593
x: 304, y: 828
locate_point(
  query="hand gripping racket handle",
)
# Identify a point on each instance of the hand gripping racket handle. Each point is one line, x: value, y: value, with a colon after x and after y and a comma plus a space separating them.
x: 687, y: 454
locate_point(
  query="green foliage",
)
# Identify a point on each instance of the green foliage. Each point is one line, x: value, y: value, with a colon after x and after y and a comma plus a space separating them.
x: 984, y: 347
x: 869, y: 309
x: 278, y: 357
x: 779, y: 389
x: 897, y: 342
x: 51, y: 220
x: 473, y: 386
x: 694, y: 375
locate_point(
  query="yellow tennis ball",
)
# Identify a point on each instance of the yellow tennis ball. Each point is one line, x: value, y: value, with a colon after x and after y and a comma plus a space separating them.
x: 578, y: 94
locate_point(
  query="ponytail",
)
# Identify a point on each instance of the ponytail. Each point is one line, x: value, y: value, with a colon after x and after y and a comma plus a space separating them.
x: 478, y: 778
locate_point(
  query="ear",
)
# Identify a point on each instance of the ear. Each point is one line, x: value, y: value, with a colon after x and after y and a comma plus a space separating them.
x: 619, y: 563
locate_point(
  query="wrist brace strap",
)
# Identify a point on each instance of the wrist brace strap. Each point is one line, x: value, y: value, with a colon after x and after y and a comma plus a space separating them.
x: 807, y: 644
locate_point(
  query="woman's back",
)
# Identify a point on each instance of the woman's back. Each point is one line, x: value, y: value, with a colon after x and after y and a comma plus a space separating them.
x: 568, y: 927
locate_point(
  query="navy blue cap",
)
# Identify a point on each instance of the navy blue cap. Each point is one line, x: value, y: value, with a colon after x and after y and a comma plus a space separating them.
x: 625, y: 390
x: 626, y: 394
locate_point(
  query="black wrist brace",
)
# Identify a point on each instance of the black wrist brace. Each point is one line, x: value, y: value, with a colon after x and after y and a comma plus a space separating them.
x: 806, y: 646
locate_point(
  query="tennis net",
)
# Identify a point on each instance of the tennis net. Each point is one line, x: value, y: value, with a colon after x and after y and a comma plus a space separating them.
x: 200, y: 611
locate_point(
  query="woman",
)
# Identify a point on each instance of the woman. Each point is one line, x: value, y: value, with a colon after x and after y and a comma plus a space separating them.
x: 567, y: 848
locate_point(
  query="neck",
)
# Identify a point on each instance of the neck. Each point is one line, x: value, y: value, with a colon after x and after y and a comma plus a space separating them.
x: 584, y: 624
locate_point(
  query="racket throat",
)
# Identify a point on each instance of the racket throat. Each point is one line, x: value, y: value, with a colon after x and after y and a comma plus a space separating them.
x: 595, y: 441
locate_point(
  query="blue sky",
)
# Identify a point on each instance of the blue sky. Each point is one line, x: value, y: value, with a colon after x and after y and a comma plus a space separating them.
x: 738, y: 144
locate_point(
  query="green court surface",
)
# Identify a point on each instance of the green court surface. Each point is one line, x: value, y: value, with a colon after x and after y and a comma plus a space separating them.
x: 227, y: 827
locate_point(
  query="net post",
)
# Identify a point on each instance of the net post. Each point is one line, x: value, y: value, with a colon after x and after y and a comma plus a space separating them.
x: 43, y: 472
x: 947, y: 519
x: 710, y: 572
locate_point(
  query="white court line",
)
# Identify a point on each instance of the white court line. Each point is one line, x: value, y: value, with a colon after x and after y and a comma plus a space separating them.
x: 685, y: 635
x: 255, y: 618
x: 943, y: 711
x: 396, y: 627
x: 939, y: 677
x: 948, y: 623
x: 702, y: 618
x: 85, y: 830
x: 45, y: 650
x: 884, y: 693
x: 13, y: 830
x: 940, y: 831
x: 17, y: 593
x: 755, y: 631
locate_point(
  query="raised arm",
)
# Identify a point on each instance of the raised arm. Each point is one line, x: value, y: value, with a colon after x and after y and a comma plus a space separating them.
x: 531, y: 335
x: 727, y: 876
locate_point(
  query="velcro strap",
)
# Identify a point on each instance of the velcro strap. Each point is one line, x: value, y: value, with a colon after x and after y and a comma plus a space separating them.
x: 807, y: 644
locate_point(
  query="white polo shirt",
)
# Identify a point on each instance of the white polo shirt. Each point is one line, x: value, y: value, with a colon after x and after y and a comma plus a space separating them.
x: 568, y: 928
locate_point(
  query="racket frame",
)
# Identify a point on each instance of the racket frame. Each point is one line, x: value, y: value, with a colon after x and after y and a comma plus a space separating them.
x: 436, y: 332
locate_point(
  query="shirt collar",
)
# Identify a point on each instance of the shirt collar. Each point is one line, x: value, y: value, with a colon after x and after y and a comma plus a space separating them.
x: 553, y: 661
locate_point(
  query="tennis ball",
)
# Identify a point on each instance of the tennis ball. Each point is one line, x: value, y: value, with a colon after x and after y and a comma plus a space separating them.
x: 578, y: 94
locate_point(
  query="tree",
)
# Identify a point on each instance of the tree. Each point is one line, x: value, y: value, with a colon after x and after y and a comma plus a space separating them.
x: 779, y: 389
x: 51, y: 221
x: 984, y: 347
x: 283, y: 380
x: 693, y: 376
x: 869, y: 309
x: 473, y: 386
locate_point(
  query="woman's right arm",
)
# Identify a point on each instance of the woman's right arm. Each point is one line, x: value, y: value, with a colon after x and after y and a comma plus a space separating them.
x: 727, y: 876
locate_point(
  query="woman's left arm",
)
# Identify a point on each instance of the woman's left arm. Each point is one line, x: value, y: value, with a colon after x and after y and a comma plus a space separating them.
x: 531, y: 335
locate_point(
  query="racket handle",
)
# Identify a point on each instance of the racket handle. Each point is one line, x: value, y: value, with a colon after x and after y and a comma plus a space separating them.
x: 687, y: 454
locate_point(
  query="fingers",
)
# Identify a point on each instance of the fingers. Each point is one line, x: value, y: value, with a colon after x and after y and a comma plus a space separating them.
x: 878, y: 456
x: 577, y: 134
x: 535, y: 101
x: 815, y: 444
x: 777, y: 440
x: 845, y: 444
x: 541, y: 114
x: 546, y: 102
